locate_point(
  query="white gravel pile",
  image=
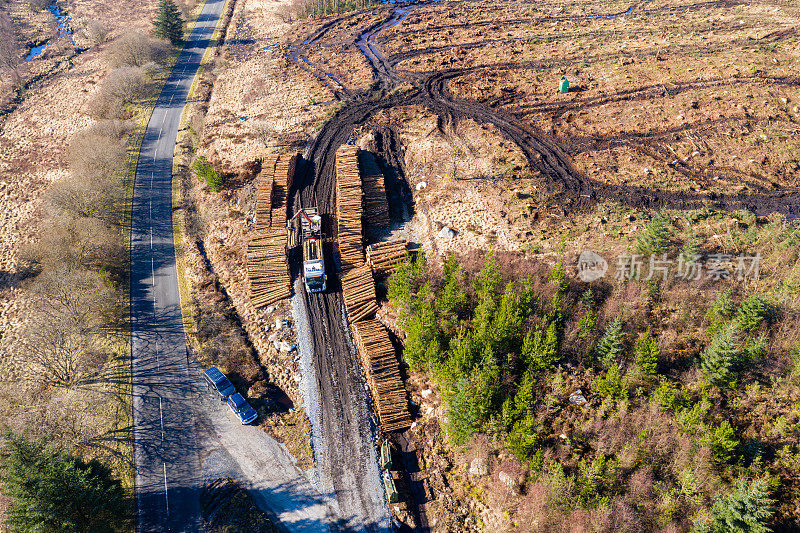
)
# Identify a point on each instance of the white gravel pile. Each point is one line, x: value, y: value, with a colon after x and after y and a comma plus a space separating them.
x: 309, y: 389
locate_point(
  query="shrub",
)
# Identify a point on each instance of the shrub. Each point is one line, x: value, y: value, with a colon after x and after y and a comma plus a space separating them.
x: 656, y: 235
x: 753, y: 311
x: 721, y: 310
x: 405, y: 281
x: 722, y: 441
x: 720, y: 360
x: 611, y: 386
x: 610, y: 346
x: 647, y: 353
x: 540, y: 349
x: 747, y: 509
x: 203, y: 169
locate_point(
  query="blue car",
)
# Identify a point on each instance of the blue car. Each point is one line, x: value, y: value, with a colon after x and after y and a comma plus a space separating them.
x: 217, y: 381
x: 241, y: 408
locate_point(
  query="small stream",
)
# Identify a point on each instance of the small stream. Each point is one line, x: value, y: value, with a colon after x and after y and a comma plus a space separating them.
x: 62, y: 28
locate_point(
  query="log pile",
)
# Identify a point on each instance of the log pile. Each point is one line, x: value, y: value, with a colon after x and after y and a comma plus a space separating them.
x: 376, y: 208
x: 264, y: 194
x: 349, y: 207
x: 284, y: 171
x: 267, y: 267
x: 384, y: 257
x: 383, y: 375
x: 358, y: 289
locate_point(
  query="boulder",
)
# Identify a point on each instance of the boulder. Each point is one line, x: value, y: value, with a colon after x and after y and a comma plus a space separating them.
x: 577, y: 397
x: 479, y: 467
x: 510, y: 483
x: 446, y: 233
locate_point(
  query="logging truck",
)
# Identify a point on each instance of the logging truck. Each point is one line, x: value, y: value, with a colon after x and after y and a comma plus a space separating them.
x: 311, y: 239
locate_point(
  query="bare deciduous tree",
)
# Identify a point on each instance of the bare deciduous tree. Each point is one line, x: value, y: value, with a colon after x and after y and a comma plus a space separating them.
x: 136, y: 49
x: 120, y: 87
x: 92, y: 155
x: 264, y: 132
x: 96, y: 32
x: 75, y: 243
x: 60, y: 339
x: 10, y: 49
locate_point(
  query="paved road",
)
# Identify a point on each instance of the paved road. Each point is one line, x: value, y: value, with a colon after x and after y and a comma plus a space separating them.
x: 166, y: 450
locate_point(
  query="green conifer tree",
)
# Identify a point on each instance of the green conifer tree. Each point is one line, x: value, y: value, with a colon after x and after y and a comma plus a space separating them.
x: 610, y: 346
x: 656, y: 235
x: 719, y: 361
x: 169, y: 22
x: 51, y: 491
x: 647, y: 353
x: 745, y: 510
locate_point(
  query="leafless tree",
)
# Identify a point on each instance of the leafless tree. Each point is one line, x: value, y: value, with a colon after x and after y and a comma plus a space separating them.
x: 120, y: 87
x: 60, y: 339
x: 83, y: 196
x: 69, y: 242
x: 92, y: 154
x: 96, y: 31
x: 10, y: 49
x: 126, y: 83
x: 264, y: 132
x: 136, y: 49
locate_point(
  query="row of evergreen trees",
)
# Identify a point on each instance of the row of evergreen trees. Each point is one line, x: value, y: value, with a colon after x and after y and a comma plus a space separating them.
x: 491, y: 346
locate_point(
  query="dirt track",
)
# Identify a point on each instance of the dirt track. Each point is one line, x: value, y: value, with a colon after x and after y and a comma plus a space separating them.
x: 343, y: 395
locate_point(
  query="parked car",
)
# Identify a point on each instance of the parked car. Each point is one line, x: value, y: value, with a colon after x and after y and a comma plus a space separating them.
x: 241, y: 408
x: 217, y: 380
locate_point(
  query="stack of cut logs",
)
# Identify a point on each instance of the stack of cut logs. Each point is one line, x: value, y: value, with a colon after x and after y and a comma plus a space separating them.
x: 264, y: 194
x: 376, y: 209
x: 284, y: 171
x: 349, y: 207
x: 383, y: 375
x: 266, y: 252
x: 384, y: 257
x: 358, y: 289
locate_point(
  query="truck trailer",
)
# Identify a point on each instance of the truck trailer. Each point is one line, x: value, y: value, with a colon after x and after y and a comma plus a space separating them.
x: 311, y: 239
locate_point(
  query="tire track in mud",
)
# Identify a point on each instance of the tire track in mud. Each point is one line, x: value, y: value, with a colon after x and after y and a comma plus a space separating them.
x: 347, y: 460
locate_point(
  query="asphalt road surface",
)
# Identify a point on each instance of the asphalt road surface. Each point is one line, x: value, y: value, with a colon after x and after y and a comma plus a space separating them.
x: 168, y: 467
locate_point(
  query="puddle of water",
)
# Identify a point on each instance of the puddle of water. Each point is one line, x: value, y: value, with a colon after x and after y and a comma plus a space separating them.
x: 61, y: 28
